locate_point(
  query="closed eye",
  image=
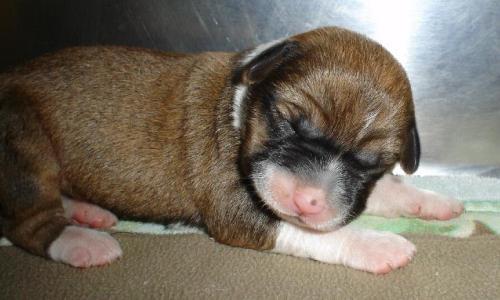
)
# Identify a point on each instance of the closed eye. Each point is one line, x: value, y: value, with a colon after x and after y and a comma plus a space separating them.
x: 369, y: 162
x: 306, y: 129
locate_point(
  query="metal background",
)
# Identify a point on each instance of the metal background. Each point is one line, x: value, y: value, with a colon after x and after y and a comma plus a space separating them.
x: 451, y: 50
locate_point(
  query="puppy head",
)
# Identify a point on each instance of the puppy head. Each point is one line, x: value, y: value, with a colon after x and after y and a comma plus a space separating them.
x: 322, y: 116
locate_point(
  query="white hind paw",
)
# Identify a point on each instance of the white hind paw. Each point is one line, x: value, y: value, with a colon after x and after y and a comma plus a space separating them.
x: 83, y: 248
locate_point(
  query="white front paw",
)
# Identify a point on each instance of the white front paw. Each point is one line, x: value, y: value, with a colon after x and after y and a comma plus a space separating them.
x: 430, y: 205
x: 367, y: 250
x: 393, y: 198
x: 376, y: 252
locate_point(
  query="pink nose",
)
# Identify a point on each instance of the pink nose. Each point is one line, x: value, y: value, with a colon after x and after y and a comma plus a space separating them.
x: 309, y: 200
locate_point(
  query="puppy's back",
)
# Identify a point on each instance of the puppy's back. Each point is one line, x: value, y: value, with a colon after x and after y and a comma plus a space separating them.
x: 109, y: 112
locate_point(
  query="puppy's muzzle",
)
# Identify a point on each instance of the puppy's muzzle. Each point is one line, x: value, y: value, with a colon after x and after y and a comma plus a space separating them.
x: 303, y: 201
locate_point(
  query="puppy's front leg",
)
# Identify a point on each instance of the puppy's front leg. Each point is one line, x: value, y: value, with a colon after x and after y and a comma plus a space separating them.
x: 238, y: 221
x: 367, y: 250
x: 243, y: 224
x: 393, y: 198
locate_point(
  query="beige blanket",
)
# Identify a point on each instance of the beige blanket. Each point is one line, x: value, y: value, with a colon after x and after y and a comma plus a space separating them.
x: 193, y: 266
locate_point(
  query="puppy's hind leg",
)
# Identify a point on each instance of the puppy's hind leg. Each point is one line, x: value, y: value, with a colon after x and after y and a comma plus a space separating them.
x: 88, y: 214
x: 30, y: 200
x: 393, y: 198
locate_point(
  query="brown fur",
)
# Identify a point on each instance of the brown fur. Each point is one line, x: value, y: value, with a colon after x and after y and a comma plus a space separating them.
x: 148, y: 134
x: 337, y: 86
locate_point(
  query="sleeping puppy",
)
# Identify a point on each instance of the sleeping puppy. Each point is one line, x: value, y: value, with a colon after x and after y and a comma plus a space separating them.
x: 276, y: 148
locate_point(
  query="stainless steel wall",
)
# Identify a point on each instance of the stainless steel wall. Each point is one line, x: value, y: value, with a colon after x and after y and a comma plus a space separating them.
x: 451, y: 49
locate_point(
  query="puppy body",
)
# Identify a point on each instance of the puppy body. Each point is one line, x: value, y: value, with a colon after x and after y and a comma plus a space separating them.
x: 258, y: 147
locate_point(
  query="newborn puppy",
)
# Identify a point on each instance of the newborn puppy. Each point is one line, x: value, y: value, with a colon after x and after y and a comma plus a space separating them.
x: 275, y: 148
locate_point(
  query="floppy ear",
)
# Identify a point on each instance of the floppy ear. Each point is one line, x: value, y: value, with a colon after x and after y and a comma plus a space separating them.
x: 410, y: 150
x: 257, y: 64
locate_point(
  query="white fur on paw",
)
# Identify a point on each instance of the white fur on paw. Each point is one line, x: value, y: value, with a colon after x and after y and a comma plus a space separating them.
x: 435, y: 206
x: 393, y: 198
x: 366, y: 250
x: 88, y: 214
x: 376, y: 252
x: 82, y: 247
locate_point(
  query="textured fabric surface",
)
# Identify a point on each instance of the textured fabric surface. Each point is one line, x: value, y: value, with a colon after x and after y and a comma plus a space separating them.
x: 486, y: 213
x: 463, y: 187
x: 477, y: 214
x: 193, y: 266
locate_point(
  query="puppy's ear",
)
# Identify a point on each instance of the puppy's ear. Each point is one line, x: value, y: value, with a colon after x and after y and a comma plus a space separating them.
x: 257, y: 64
x: 410, y: 150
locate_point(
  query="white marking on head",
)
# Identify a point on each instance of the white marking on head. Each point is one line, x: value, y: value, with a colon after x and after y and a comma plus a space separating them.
x: 239, y: 95
x: 370, y: 118
x: 368, y: 122
x: 241, y: 89
x: 258, y: 50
